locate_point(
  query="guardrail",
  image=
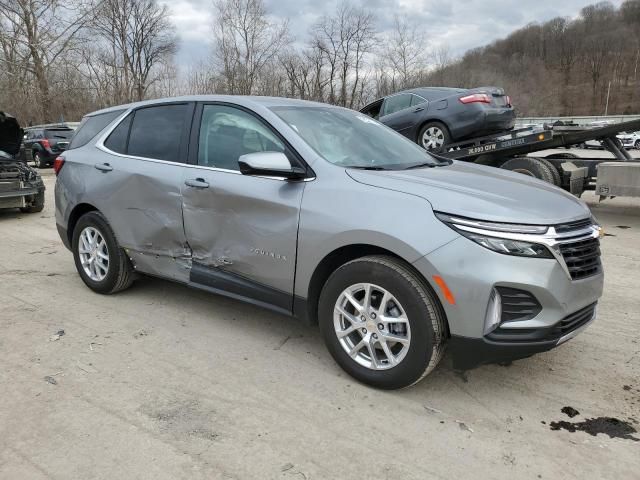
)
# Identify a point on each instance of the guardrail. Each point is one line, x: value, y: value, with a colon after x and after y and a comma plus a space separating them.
x: 580, y: 120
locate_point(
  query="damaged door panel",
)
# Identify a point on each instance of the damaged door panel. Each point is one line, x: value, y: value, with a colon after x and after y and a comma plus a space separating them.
x: 237, y: 224
x: 139, y: 190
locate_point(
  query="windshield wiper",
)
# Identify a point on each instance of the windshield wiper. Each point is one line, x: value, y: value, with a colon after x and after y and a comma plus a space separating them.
x: 423, y: 165
x: 368, y: 168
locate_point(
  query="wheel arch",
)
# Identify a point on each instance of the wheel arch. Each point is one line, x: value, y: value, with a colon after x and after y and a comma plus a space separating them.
x: 346, y: 253
x: 77, y: 212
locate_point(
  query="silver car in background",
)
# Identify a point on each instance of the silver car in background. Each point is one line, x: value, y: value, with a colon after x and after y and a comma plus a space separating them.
x: 325, y: 214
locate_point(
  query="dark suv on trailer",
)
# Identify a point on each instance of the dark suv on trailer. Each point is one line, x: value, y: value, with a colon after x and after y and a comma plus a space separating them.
x: 43, y: 144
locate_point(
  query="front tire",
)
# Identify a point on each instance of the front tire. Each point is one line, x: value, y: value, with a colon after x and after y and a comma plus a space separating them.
x: 381, y: 323
x: 101, y: 262
x: 637, y: 145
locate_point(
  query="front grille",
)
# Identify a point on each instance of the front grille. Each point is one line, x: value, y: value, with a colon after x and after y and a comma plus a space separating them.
x: 517, y: 304
x: 577, y: 225
x: 582, y: 257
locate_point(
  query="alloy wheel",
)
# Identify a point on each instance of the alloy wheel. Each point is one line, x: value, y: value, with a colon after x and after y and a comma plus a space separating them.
x: 372, y: 326
x: 433, y: 138
x: 94, y: 254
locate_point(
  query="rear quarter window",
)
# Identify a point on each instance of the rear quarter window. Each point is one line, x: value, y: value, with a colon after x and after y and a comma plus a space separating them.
x: 91, y: 126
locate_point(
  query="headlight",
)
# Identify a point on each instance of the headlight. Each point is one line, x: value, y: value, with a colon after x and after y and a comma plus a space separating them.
x: 488, y: 234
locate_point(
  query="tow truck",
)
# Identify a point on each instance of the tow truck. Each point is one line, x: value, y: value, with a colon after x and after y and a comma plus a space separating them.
x: 515, y: 150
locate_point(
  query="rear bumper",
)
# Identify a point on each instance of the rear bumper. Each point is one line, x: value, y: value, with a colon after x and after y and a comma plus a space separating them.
x: 63, y: 236
x: 479, y: 120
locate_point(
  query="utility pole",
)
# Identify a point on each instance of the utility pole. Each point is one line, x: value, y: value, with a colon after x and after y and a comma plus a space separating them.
x: 606, y: 109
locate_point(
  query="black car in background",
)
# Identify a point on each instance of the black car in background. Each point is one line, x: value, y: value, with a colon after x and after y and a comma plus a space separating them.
x: 43, y: 144
x: 434, y: 117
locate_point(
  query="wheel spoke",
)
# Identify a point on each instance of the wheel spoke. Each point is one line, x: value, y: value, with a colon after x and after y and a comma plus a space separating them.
x: 356, y: 348
x: 386, y: 320
x: 391, y: 337
x: 352, y: 318
x: 382, y: 309
x: 387, y: 351
x: 372, y: 353
x: 366, y: 301
x: 353, y: 301
x: 347, y: 331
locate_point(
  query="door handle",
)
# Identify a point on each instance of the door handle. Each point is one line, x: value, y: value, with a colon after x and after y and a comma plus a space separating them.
x: 103, y: 167
x: 196, y: 183
x: 418, y: 109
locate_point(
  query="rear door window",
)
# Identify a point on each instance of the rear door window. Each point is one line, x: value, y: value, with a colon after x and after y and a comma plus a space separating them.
x: 91, y: 126
x: 396, y: 103
x: 417, y: 100
x: 157, y: 132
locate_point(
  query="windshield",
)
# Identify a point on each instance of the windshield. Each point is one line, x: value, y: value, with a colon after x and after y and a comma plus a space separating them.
x: 62, y: 133
x: 351, y: 139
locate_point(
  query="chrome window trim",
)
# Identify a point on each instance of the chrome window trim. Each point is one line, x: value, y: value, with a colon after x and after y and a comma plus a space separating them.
x: 103, y: 138
x: 551, y: 239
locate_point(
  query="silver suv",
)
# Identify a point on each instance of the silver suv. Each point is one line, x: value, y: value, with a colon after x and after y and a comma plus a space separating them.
x: 325, y: 214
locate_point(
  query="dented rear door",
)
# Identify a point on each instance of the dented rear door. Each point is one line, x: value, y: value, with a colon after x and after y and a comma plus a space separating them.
x: 138, y: 187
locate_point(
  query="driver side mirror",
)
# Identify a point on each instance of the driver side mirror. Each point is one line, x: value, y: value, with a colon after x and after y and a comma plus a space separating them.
x: 269, y: 164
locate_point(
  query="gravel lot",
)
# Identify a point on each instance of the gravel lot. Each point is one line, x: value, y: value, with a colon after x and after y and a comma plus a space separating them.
x: 165, y: 382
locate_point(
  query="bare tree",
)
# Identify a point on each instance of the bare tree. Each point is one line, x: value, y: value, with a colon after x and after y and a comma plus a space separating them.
x: 139, y: 42
x: 246, y: 40
x: 345, y: 39
x: 405, y: 51
x: 42, y: 32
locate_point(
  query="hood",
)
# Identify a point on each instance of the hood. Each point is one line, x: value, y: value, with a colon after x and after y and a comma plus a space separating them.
x: 10, y: 134
x: 483, y: 193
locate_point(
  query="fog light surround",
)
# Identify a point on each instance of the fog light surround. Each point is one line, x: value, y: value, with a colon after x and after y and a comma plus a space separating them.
x: 494, y: 312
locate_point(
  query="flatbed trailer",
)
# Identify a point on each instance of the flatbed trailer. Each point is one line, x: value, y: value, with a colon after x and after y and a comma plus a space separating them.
x: 512, y: 150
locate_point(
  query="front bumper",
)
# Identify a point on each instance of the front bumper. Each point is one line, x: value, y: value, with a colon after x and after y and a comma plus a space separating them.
x: 471, y: 272
x: 468, y: 353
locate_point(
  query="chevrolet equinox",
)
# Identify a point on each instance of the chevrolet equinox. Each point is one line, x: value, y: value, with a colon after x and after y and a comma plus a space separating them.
x: 325, y: 214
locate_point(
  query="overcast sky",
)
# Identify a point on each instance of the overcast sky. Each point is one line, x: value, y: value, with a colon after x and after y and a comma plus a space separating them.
x: 462, y: 24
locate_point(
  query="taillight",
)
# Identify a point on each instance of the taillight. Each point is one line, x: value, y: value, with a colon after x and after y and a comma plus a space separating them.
x: 476, y: 98
x: 45, y: 143
x: 508, y: 101
x: 58, y: 163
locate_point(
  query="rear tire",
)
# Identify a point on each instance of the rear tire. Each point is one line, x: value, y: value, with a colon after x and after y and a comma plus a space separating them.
x: 557, y: 179
x: 637, y: 145
x: 118, y: 274
x: 434, y: 137
x: 530, y: 166
x: 422, y: 329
